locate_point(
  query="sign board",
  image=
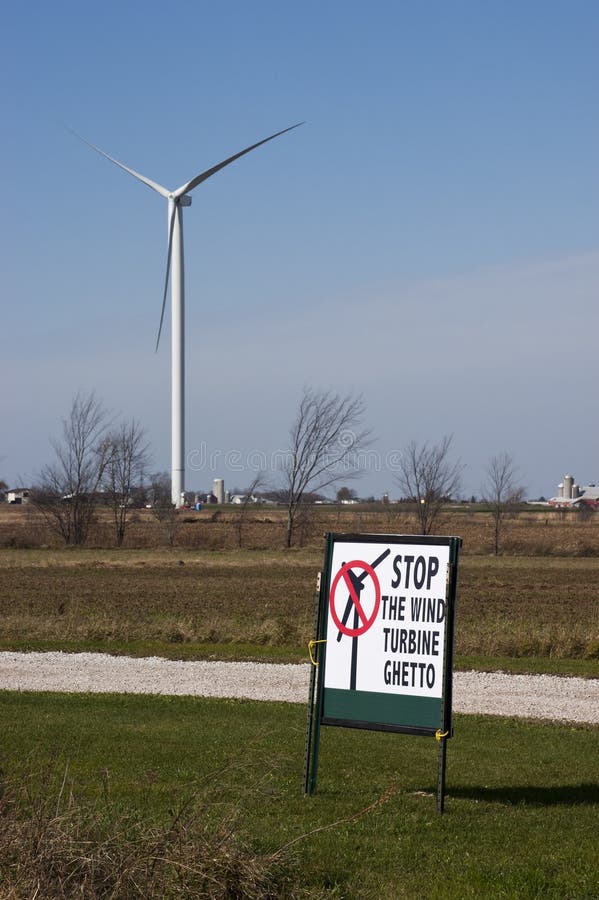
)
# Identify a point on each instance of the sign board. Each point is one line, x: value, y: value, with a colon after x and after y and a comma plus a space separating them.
x: 385, y: 633
x: 384, y: 618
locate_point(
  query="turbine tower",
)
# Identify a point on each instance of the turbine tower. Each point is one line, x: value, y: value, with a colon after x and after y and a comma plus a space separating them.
x: 175, y: 270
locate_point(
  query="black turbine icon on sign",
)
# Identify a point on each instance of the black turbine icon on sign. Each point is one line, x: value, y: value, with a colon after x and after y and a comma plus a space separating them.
x: 357, y: 583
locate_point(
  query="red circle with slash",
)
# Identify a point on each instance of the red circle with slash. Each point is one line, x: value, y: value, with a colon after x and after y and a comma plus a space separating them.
x: 366, y: 620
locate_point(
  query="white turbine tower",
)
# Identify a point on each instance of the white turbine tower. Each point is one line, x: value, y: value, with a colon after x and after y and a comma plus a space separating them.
x: 175, y: 269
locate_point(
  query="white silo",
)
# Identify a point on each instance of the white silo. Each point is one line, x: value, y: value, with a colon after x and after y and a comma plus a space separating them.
x: 560, y: 490
x: 575, y: 491
x: 219, y: 490
x: 568, y: 484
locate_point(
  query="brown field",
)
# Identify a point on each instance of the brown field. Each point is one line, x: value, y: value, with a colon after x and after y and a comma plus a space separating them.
x: 204, y: 597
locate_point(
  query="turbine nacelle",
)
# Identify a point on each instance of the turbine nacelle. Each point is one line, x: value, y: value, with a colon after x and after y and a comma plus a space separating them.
x: 183, y: 200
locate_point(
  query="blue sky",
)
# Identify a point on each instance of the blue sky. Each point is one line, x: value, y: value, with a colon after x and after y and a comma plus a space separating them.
x: 428, y: 238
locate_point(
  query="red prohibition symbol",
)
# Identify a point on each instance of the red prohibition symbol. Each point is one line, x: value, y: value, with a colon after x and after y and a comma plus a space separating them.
x: 349, y: 582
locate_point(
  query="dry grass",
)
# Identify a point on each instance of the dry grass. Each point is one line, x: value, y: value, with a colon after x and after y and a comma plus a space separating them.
x: 518, y: 607
x: 534, y: 532
x: 243, y: 598
x: 55, y: 847
x: 507, y: 606
x: 540, y: 599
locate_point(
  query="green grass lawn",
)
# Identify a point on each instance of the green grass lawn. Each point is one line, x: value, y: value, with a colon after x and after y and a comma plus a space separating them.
x: 521, y: 805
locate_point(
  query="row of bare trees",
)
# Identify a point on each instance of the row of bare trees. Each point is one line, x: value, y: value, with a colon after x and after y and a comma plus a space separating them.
x: 96, y: 456
x: 328, y: 441
x: 429, y: 478
x: 327, y: 444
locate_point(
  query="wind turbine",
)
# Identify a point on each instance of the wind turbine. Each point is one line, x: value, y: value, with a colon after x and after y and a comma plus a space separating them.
x: 175, y: 269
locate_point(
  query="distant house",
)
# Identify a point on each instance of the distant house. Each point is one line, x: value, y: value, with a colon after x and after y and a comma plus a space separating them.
x: 18, y: 495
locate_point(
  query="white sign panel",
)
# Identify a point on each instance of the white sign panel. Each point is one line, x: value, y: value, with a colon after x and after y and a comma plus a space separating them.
x: 386, y: 618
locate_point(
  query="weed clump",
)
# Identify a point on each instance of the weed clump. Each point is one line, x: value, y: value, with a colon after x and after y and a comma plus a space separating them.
x: 58, y: 848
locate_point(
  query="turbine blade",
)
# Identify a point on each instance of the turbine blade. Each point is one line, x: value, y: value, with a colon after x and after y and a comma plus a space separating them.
x: 209, y: 172
x: 152, y: 184
x: 171, y: 228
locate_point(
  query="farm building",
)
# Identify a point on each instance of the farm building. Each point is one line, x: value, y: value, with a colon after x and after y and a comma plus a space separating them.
x: 17, y: 495
x: 572, y: 495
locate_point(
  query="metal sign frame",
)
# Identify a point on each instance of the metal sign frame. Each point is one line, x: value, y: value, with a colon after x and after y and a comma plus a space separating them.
x: 340, y: 589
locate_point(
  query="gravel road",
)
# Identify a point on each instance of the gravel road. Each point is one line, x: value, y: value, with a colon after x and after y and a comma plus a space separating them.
x: 528, y: 696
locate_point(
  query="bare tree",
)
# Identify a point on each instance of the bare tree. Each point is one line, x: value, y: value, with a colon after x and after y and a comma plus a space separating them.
x: 326, y: 441
x: 127, y: 460
x: 67, y: 490
x: 501, y: 491
x: 428, y: 478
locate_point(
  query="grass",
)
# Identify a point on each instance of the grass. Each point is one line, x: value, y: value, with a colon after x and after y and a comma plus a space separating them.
x: 520, y: 820
x: 529, y: 665
x: 515, y: 613
x: 129, y: 796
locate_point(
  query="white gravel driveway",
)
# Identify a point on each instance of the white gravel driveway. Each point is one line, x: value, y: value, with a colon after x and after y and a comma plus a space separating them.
x: 530, y: 696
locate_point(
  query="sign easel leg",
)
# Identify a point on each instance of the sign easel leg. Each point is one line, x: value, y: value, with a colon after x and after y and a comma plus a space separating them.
x: 309, y: 733
x: 441, y: 764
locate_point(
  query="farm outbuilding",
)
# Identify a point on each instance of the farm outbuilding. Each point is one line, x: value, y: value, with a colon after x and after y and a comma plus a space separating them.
x: 571, y: 495
x: 18, y: 495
